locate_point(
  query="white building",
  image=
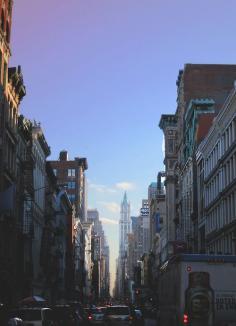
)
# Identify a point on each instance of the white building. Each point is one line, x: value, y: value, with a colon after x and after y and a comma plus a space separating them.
x: 216, y: 160
x: 124, y: 225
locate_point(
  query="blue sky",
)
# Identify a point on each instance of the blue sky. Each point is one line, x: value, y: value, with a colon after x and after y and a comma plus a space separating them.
x: 99, y: 73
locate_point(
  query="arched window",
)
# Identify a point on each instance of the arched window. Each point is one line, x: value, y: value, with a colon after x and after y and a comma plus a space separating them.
x: 3, y: 21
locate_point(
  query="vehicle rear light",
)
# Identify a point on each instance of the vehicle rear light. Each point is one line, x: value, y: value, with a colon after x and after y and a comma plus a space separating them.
x: 90, y: 317
x: 130, y: 318
x: 186, y: 320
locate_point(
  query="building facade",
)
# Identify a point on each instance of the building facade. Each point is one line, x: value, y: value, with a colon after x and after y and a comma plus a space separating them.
x: 124, y: 225
x: 201, y: 92
x: 216, y: 162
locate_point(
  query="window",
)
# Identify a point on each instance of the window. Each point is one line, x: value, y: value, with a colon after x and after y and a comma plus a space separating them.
x: 71, y: 185
x: 171, y: 145
x: 71, y: 172
x: 55, y: 172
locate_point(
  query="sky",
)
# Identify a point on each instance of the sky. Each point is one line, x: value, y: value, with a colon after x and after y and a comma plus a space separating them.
x: 99, y: 74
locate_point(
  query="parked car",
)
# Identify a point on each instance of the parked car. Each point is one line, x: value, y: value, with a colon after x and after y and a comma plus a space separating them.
x: 119, y: 315
x: 95, y: 316
x: 34, y: 316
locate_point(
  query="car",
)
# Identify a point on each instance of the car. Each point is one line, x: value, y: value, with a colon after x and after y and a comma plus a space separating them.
x: 95, y: 316
x: 119, y: 315
x: 15, y: 322
x: 34, y: 316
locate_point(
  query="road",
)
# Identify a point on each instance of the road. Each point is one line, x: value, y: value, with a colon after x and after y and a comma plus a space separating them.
x: 150, y: 322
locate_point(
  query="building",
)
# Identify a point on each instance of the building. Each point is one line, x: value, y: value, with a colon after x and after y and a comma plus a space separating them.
x: 101, y: 261
x: 96, y: 274
x: 40, y: 151
x: 24, y: 208
x: 145, y: 218
x: 124, y: 230
x: 168, y: 124
x: 124, y: 225
x: 79, y: 272
x: 105, y: 272
x: 216, y: 173
x: 12, y: 91
x: 201, y: 92
x: 158, y: 222
x: 152, y: 191
x: 88, y: 263
x: 93, y: 217
x: 71, y: 174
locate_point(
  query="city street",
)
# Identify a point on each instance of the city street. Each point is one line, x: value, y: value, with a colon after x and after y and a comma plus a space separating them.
x: 117, y: 163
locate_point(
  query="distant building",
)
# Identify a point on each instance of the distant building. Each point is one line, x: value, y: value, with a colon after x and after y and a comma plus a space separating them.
x: 100, y: 257
x: 168, y: 124
x: 144, y: 216
x: 152, y: 191
x: 124, y: 225
x: 93, y: 217
x: 158, y: 217
x: 88, y: 263
x: 124, y: 230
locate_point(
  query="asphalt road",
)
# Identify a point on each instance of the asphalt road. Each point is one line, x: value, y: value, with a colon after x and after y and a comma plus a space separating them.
x: 150, y: 322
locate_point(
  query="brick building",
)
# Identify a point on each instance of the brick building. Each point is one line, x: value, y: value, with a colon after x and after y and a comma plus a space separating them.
x: 71, y: 174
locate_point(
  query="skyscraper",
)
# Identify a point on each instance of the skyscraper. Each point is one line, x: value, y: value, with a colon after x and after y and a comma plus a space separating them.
x: 124, y: 225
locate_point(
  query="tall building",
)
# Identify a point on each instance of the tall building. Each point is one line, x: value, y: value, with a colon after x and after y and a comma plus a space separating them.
x: 71, y: 174
x: 124, y: 225
x: 124, y: 230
